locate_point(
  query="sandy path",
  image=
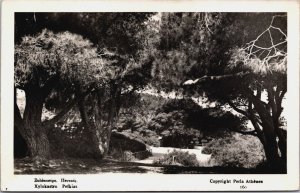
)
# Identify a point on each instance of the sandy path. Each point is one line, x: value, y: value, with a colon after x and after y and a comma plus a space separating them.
x: 158, y: 152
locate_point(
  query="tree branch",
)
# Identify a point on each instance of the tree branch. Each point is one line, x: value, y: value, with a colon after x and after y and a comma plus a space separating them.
x: 278, y: 103
x: 255, y: 122
x: 250, y: 116
x: 259, y: 105
x: 216, y: 78
x: 282, y: 95
x: 237, y: 109
x: 271, y: 99
x: 66, y: 109
x: 258, y: 92
x: 253, y: 132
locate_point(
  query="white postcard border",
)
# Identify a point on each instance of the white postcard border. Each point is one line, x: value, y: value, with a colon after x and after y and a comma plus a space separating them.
x: 149, y: 182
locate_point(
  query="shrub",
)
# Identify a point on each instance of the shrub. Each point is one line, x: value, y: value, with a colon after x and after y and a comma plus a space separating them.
x: 70, y: 141
x: 128, y: 156
x: 207, y: 150
x: 178, y: 158
x: 120, y: 155
x: 146, y: 136
x: 235, y: 151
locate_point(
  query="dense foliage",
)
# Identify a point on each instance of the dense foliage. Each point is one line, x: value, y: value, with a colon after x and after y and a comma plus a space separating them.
x: 176, y: 121
x: 64, y: 56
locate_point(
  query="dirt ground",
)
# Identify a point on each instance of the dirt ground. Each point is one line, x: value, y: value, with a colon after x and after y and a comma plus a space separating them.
x: 90, y: 166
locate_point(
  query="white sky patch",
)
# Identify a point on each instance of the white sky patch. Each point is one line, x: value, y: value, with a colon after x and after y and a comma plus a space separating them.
x: 157, y: 17
x: 21, y: 102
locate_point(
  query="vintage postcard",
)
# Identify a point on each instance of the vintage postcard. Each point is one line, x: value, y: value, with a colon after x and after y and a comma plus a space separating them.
x: 149, y: 95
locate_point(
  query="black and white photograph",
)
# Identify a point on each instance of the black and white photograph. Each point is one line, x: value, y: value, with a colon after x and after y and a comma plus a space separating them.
x: 170, y: 93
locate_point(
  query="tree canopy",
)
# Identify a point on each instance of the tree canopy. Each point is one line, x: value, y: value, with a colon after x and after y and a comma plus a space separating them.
x: 64, y: 56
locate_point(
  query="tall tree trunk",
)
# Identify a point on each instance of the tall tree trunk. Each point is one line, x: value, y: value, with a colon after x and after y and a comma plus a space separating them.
x: 268, y: 139
x: 94, y: 129
x: 275, y: 100
x: 35, y: 134
x: 99, y: 132
x: 118, y: 101
x: 103, y: 132
x: 112, y: 111
x: 271, y: 146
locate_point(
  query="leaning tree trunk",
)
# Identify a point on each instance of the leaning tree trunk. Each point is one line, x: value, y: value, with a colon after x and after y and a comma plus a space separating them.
x: 35, y: 134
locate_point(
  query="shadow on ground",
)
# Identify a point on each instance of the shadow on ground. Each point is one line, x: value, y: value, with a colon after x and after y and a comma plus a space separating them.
x: 90, y: 166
